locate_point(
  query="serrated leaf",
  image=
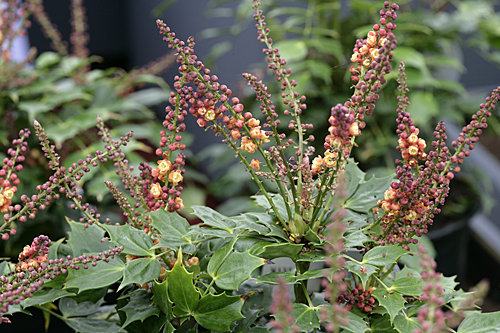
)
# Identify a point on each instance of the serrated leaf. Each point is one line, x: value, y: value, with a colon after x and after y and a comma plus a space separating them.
x: 86, y: 240
x: 245, y: 221
x: 363, y: 271
x: 219, y: 257
x: 355, y: 238
x: 92, y: 325
x: 134, y: 241
x: 382, y: 324
x: 354, y: 175
x: 278, y: 250
x: 477, y: 322
x: 384, y: 255
x: 173, y: 229
x: 356, y: 324
x: 140, y: 271
x: 237, y: 268
x: 408, y: 286
x: 216, y: 313
x: 278, y: 201
x: 404, y: 324
x: 139, y: 307
x: 181, y: 287
x: 354, y: 220
x: 313, y: 256
x: 272, y: 278
x: 368, y: 193
x: 293, y: 50
x: 393, y: 302
x: 161, y: 299
x: 5, y: 268
x: 102, y: 275
x: 305, y: 317
x: 213, y: 218
x: 46, y: 296
x: 70, y: 308
x: 267, y: 220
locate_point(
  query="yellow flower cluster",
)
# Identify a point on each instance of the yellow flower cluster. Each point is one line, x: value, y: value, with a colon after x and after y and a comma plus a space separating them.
x: 366, y: 54
x: 6, y: 198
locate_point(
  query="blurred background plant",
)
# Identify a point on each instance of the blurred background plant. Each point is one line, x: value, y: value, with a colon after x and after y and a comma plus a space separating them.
x: 316, y: 38
x: 66, y: 90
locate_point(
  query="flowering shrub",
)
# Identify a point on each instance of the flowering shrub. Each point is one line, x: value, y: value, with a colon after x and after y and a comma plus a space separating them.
x: 209, y: 277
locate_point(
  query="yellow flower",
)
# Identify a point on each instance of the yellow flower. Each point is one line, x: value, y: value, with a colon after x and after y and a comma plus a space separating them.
x: 255, y: 164
x: 316, y: 164
x: 247, y: 145
x: 156, y: 191
x: 164, y: 166
x: 2, y: 200
x: 329, y: 159
x: 413, y: 150
x: 210, y: 115
x: 175, y: 177
x: 179, y: 201
x: 9, y: 192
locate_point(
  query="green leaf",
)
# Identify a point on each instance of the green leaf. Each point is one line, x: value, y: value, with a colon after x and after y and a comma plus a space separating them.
x: 355, y: 238
x: 181, y: 288
x: 45, y: 296
x: 245, y: 221
x: 92, y: 325
x: 313, y: 256
x: 214, y: 219
x: 278, y: 250
x: 267, y: 220
x: 368, y: 193
x: 356, y: 324
x: 173, y: 229
x: 278, y: 201
x: 5, y: 268
x: 382, y: 324
x: 139, y: 307
x: 305, y: 317
x: 140, y: 271
x: 272, y: 278
x: 392, y: 301
x: 219, y: 257
x: 34, y: 108
x: 423, y: 107
x: 408, y: 286
x: 161, y: 299
x: 477, y: 322
x: 360, y: 269
x: 384, y: 255
x: 46, y: 60
x: 354, y: 176
x: 102, y: 275
x: 216, y: 313
x: 86, y: 240
x: 293, y: 50
x: 134, y: 241
x: 70, y: 308
x: 404, y: 324
x: 237, y: 268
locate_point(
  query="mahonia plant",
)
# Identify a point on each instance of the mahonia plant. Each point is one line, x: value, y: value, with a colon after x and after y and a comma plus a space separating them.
x: 212, y: 277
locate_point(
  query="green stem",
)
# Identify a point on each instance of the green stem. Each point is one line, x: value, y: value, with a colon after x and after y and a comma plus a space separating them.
x: 389, y: 271
x: 50, y: 312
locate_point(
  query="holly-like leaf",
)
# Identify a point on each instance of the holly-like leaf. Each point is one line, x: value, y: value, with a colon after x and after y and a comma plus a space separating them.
x: 140, y: 271
x: 245, y: 221
x: 216, y: 313
x: 356, y: 324
x: 173, y: 229
x: 181, y: 287
x: 408, y: 286
x: 102, y: 275
x: 314, y: 256
x: 403, y: 324
x: 70, y: 308
x: 477, y: 322
x: 354, y: 175
x: 134, y: 241
x: 368, y: 193
x: 45, y: 296
x: 392, y: 301
x: 86, y: 240
x: 214, y: 219
x: 272, y: 278
x: 382, y: 324
x: 82, y: 324
x: 305, y: 317
x: 139, y: 307
x: 355, y: 238
x: 219, y: 257
x: 364, y: 271
x: 278, y: 201
x: 161, y: 299
x: 384, y: 255
x: 276, y: 250
x: 267, y: 220
x: 236, y: 269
